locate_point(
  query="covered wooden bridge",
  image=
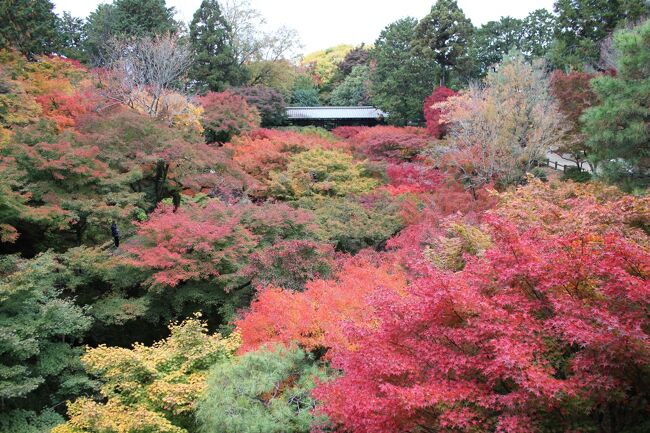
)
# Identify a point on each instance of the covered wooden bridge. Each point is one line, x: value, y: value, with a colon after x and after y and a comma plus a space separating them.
x: 331, y: 117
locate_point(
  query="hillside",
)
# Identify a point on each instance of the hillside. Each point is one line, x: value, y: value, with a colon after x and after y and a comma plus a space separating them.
x: 175, y: 258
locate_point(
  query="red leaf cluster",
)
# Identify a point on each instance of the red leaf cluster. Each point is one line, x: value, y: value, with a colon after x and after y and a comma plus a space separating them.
x: 201, y: 242
x: 65, y: 109
x: 435, y: 125
x: 226, y: 115
x: 413, y: 178
x: 63, y: 160
x: 386, y: 143
x: 266, y: 150
x: 348, y: 131
x: 193, y: 243
x: 290, y: 264
x: 573, y: 92
x: 316, y: 318
x: 538, y: 321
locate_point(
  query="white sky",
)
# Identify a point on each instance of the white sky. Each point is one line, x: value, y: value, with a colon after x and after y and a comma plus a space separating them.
x: 325, y: 23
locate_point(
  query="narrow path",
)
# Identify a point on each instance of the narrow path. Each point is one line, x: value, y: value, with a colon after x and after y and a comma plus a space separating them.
x: 561, y: 162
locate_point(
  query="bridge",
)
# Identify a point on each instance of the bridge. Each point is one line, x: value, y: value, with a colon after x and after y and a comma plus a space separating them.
x: 331, y: 117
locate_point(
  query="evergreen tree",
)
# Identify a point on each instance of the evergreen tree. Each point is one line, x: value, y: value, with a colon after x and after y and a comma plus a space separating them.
x: 305, y: 97
x: 215, y: 65
x: 354, y: 89
x: 537, y: 33
x: 100, y: 27
x: 495, y: 39
x: 38, y: 326
x: 28, y: 26
x: 444, y: 36
x: 400, y: 80
x: 126, y: 18
x: 72, y: 36
x: 618, y: 129
x: 583, y: 24
x: 272, y: 389
x: 531, y: 36
x: 304, y: 92
x: 144, y: 17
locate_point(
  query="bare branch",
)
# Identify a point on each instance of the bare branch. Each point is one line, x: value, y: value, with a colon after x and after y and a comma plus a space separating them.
x: 140, y: 71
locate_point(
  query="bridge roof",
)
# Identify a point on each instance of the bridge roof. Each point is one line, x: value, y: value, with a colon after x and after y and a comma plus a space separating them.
x: 365, y: 112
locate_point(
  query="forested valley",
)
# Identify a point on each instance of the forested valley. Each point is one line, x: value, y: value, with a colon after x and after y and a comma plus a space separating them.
x: 176, y: 257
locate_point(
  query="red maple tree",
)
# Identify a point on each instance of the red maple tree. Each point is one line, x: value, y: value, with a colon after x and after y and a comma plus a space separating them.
x: 435, y: 126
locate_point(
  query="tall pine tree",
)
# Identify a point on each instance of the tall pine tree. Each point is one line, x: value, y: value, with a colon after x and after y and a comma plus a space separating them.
x: 583, y: 24
x: 28, y: 26
x: 618, y: 129
x: 400, y: 80
x: 215, y: 66
x: 444, y: 36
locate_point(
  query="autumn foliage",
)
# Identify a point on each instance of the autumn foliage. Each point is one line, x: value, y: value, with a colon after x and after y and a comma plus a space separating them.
x: 266, y: 151
x: 537, y: 322
x: 363, y: 280
x: 225, y: 115
x: 315, y: 318
x: 150, y: 388
x: 389, y: 143
x: 193, y: 243
x: 436, y: 126
x: 574, y: 95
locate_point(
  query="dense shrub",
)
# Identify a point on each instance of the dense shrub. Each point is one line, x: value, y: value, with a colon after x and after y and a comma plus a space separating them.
x: 347, y: 131
x: 226, y: 115
x: 354, y: 224
x: 435, y: 125
x: 314, y: 318
x: 576, y: 174
x: 269, y: 102
x: 266, y: 151
x: 290, y: 264
x: 273, y: 391
x: 390, y: 143
x: 320, y: 172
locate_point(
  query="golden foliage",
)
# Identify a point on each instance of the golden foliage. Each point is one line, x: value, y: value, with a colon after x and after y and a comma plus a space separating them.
x: 559, y: 207
x: 89, y: 416
x: 449, y: 250
x: 172, y: 108
x: 150, y: 388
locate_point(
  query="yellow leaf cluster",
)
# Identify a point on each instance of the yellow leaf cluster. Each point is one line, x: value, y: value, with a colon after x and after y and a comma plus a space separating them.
x: 449, y: 250
x: 324, y: 63
x: 148, y: 387
x: 321, y: 172
x: 171, y: 107
x: 89, y: 416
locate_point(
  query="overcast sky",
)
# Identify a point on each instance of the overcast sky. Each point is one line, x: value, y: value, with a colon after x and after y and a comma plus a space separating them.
x: 325, y: 23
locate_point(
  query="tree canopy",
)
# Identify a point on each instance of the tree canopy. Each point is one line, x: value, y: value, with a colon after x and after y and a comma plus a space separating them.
x: 177, y: 256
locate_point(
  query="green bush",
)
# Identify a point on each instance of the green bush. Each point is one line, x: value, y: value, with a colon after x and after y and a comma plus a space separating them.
x: 267, y: 391
x: 576, y: 174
